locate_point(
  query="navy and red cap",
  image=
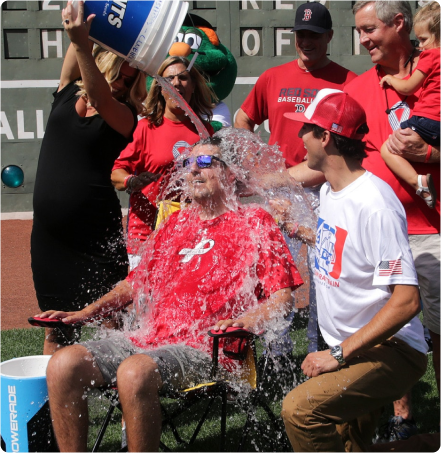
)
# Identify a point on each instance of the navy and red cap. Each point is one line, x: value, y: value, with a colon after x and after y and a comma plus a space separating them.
x: 313, y: 16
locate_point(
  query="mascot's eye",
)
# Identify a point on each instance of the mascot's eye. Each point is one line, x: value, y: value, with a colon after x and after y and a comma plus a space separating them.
x: 179, y: 37
x: 193, y: 40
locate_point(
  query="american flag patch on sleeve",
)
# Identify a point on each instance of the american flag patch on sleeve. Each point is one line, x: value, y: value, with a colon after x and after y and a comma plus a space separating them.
x: 387, y: 268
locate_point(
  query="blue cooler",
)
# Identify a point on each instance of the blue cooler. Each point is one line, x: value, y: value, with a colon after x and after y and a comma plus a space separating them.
x: 25, y: 418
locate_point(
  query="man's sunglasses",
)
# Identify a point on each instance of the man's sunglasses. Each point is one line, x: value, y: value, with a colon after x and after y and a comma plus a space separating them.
x: 201, y: 161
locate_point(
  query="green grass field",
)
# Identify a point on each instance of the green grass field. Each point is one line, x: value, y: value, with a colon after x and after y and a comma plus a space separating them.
x: 24, y: 342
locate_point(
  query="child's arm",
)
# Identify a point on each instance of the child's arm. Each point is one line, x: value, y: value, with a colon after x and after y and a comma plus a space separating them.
x: 405, y: 87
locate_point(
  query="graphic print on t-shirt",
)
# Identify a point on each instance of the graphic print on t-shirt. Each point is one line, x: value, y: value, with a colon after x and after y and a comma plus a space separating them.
x: 179, y: 147
x: 302, y: 97
x: 330, y: 241
x: 200, y: 249
x: 198, y: 262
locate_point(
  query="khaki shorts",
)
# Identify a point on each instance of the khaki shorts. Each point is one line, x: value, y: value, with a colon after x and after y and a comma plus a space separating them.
x: 180, y: 366
x: 426, y: 255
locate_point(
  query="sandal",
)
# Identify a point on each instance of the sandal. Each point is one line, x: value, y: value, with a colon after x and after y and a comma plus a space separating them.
x: 430, y: 189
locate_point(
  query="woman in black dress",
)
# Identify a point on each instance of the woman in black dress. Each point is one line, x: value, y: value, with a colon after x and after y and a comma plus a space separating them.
x: 77, y: 246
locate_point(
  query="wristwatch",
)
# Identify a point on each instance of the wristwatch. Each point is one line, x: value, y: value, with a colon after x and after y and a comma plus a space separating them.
x: 337, y: 353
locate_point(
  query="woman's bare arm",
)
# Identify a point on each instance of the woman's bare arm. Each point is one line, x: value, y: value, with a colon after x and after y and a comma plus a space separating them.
x: 117, y: 115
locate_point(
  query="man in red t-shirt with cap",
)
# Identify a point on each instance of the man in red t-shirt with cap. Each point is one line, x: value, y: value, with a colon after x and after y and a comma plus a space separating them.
x: 292, y: 87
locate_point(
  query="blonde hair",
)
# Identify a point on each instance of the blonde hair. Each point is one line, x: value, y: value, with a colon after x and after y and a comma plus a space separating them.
x: 201, y: 99
x: 430, y: 13
x: 109, y: 65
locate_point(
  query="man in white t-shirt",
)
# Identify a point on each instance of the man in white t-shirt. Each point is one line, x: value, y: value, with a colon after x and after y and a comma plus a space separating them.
x: 367, y: 290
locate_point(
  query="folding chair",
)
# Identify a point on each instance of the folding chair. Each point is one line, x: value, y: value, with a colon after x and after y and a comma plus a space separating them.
x: 215, y: 388
x: 243, y: 349
x: 240, y: 345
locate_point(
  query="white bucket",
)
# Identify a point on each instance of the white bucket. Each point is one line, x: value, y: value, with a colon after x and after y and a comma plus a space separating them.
x: 141, y: 32
x: 25, y: 418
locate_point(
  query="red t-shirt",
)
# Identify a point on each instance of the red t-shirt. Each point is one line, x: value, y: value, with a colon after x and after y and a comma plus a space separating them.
x: 196, y: 273
x: 367, y: 91
x: 153, y: 149
x: 428, y: 105
x: 288, y: 88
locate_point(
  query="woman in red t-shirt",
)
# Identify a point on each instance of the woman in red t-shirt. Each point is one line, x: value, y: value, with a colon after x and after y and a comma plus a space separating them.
x: 158, y: 140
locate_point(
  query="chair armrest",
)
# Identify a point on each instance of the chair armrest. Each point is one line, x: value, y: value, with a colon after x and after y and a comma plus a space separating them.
x: 229, y: 332
x: 237, y: 332
x: 51, y: 322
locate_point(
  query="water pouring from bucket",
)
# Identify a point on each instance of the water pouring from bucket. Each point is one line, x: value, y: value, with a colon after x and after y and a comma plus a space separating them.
x: 179, y: 100
x: 141, y: 32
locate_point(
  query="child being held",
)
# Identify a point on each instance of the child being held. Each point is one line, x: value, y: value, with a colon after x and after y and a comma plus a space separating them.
x: 425, y: 119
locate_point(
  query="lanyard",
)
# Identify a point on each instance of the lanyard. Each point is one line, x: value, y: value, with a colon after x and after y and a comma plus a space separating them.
x: 402, y: 103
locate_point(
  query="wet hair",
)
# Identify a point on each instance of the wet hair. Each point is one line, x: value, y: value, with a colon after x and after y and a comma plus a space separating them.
x: 200, y: 102
x: 226, y: 150
x: 430, y: 13
x: 109, y: 65
x: 239, y: 150
x: 387, y: 10
x: 210, y: 141
x: 347, y: 147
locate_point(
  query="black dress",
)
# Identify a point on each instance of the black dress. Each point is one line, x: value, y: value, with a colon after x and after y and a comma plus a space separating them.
x: 77, y: 248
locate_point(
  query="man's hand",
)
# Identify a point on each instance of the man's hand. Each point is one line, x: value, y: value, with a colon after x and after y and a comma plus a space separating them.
x: 408, y: 144
x: 319, y: 362
x: 244, y: 322
x: 68, y: 317
x: 281, y: 207
x: 255, y: 320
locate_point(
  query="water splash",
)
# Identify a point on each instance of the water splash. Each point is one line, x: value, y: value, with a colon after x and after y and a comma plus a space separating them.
x: 260, y: 176
x: 170, y: 90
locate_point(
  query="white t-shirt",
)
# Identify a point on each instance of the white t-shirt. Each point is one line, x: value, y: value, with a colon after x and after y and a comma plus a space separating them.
x: 361, y: 248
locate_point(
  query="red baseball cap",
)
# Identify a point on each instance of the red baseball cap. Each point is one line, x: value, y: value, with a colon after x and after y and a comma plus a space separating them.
x: 334, y: 111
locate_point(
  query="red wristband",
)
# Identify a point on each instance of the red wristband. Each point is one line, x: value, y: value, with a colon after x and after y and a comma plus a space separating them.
x: 126, y: 180
x: 429, y: 153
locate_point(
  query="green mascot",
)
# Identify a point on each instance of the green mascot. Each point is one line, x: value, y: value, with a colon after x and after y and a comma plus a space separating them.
x: 214, y: 61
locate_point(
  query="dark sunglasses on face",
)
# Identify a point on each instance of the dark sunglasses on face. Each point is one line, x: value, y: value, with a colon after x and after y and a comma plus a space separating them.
x: 201, y: 161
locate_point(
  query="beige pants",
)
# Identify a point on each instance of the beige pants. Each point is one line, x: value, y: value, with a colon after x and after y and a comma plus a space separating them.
x: 339, y: 411
x: 426, y: 255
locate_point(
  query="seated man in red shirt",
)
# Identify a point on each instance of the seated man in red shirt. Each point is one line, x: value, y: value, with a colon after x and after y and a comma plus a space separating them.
x: 215, y: 263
